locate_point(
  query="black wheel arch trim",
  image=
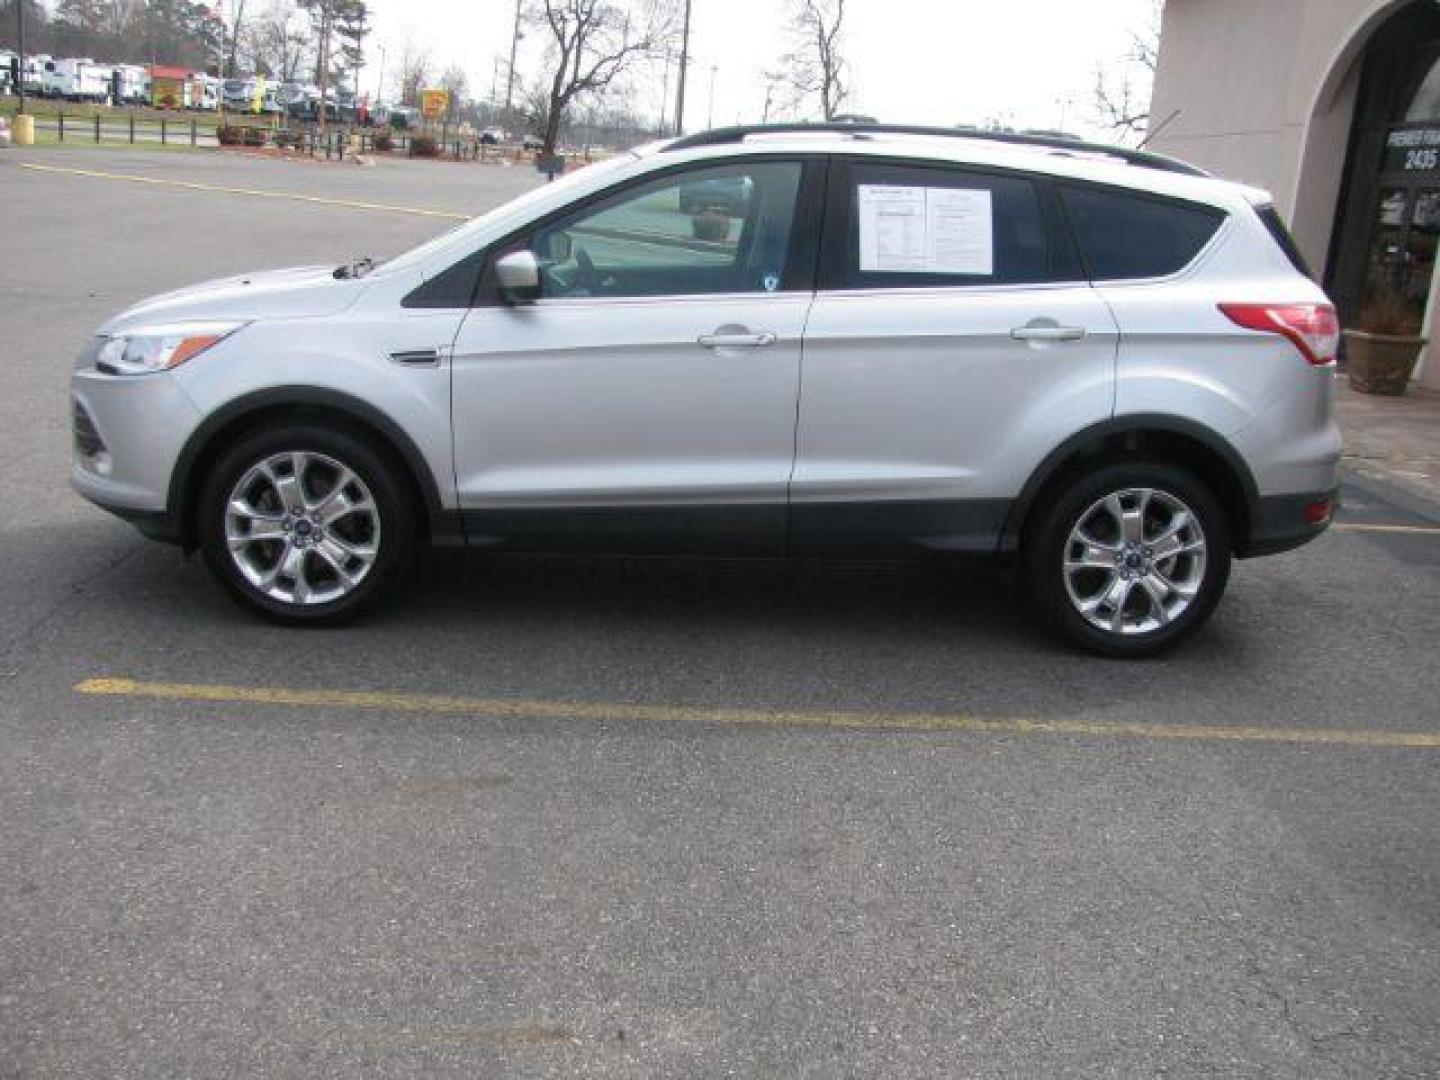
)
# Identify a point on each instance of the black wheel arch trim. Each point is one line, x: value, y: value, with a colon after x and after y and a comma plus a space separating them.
x: 445, y: 526
x: 1135, y: 424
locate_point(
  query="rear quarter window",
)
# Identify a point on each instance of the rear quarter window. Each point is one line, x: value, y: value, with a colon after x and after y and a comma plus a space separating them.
x: 1126, y: 235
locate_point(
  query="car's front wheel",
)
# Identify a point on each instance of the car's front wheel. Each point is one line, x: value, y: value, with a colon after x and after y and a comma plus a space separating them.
x: 306, y: 525
x: 1129, y: 559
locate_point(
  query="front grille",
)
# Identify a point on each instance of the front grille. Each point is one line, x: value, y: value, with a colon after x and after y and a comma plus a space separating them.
x: 87, y: 438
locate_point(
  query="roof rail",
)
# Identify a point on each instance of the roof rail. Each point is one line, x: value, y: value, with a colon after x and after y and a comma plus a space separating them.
x: 1144, y: 158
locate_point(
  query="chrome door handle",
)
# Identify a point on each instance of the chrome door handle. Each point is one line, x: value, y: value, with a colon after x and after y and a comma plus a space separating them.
x: 736, y: 341
x: 1048, y: 333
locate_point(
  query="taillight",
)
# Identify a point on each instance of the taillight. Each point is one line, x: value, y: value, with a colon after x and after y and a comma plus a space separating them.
x: 1312, y: 328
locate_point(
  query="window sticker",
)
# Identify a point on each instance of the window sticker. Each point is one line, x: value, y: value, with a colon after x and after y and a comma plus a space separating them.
x: 926, y: 230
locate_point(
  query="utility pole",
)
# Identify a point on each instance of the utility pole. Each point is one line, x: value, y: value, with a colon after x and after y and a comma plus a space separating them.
x: 684, y: 59
x: 710, y: 112
x: 380, y: 79
x: 510, y: 77
x: 20, y: 41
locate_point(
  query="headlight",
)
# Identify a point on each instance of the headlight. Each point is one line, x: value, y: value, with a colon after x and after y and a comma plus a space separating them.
x: 156, y: 348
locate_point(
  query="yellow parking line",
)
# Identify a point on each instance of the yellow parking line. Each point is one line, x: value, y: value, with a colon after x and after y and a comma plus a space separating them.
x: 519, y: 708
x: 1360, y: 526
x: 353, y: 204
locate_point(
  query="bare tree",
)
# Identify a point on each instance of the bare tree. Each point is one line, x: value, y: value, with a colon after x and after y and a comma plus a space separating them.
x: 237, y: 26
x: 455, y: 83
x: 120, y: 15
x: 594, y: 42
x: 816, y: 67
x: 278, y: 42
x: 1122, y: 89
x: 414, y: 69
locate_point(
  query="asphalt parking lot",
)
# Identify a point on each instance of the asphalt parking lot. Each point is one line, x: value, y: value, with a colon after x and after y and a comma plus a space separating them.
x: 667, y: 819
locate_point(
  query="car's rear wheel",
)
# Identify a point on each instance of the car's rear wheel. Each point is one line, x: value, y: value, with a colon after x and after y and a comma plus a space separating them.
x: 306, y: 525
x: 1129, y: 559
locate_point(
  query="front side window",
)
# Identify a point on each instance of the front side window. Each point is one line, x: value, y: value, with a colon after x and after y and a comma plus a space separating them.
x: 724, y: 229
x: 921, y: 226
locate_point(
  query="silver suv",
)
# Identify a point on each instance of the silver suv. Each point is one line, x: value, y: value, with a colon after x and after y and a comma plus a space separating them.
x: 848, y: 341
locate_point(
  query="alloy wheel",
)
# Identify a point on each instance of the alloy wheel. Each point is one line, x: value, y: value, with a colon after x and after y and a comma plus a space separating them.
x: 1135, y: 561
x: 302, y: 528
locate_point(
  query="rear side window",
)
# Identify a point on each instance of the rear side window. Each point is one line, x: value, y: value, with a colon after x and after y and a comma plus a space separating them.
x: 917, y: 226
x: 1276, y: 227
x: 1125, y: 235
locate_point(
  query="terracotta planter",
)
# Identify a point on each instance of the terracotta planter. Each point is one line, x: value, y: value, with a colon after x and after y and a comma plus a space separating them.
x: 1381, y: 363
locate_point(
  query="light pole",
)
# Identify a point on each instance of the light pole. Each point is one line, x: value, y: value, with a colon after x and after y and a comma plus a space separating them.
x: 684, y: 59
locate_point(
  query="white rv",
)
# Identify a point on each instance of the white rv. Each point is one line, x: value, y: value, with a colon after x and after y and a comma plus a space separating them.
x: 133, y: 83
x: 205, y: 92
x: 35, y: 73
x: 77, y: 79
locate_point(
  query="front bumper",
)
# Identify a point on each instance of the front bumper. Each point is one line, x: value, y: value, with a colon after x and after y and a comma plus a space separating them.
x: 128, y: 434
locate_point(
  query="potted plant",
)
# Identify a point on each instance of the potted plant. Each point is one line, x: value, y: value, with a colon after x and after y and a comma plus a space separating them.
x: 1381, y: 349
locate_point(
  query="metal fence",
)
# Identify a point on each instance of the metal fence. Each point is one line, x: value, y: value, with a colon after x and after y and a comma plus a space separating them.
x: 302, y: 137
x: 126, y: 128
x: 299, y: 136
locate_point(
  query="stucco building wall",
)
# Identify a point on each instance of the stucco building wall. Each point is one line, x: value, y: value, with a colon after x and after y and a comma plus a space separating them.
x: 1264, y: 91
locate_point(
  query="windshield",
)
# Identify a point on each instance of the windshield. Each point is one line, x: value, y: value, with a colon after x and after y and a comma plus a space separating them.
x: 418, y: 256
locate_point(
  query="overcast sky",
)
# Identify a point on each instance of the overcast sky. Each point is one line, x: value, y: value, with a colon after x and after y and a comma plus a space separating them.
x: 1029, y: 63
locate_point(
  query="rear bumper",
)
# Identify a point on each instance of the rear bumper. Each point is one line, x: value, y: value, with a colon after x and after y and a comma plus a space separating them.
x: 1282, y: 522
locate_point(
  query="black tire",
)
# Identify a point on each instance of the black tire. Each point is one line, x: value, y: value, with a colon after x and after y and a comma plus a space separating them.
x: 394, y: 509
x: 1049, y: 541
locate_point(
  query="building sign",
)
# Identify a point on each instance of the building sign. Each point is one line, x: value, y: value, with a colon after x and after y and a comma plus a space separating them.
x: 1412, y: 150
x: 433, y: 103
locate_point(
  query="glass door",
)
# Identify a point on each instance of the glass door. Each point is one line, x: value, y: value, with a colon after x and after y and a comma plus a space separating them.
x: 1403, y: 246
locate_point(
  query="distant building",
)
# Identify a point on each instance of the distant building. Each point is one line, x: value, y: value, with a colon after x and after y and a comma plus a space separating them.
x: 170, y: 87
x: 1334, y: 106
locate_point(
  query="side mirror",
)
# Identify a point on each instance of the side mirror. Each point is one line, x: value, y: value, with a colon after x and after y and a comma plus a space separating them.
x: 518, y: 275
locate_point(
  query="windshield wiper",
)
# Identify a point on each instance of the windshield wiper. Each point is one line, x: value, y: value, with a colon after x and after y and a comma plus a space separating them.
x: 357, y: 269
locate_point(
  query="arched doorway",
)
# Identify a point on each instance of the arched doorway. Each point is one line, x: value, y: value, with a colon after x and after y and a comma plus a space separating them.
x: 1384, y: 249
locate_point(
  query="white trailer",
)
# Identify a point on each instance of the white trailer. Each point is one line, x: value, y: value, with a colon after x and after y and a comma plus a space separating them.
x: 133, y: 83
x: 204, y: 92
x: 34, y: 74
x: 77, y: 79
